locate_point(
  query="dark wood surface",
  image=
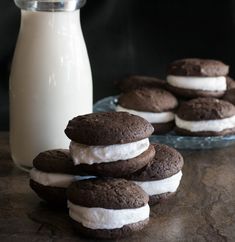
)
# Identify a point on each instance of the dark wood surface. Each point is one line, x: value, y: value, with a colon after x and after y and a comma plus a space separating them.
x: 202, y: 210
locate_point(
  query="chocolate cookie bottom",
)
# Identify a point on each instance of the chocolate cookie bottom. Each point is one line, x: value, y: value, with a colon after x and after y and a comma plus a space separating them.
x: 155, y: 199
x: 56, y: 196
x: 163, y: 128
x: 122, y: 167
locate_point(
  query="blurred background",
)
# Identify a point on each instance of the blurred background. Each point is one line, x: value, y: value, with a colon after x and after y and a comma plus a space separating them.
x: 134, y: 37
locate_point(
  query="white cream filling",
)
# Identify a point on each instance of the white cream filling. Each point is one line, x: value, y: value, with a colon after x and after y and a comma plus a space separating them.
x: 51, y: 179
x: 151, y: 117
x: 101, y: 218
x: 55, y: 179
x: 216, y: 125
x: 198, y: 83
x: 85, y: 154
x: 169, y: 184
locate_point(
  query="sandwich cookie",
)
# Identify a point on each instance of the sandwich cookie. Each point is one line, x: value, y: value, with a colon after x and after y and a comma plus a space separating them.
x: 155, y: 105
x: 205, y: 117
x: 110, y: 143
x: 136, y: 82
x: 161, y: 177
x: 107, y: 208
x: 197, y: 78
x: 53, y: 172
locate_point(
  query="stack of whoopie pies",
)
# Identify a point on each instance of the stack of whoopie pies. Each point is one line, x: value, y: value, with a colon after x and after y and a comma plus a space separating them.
x: 111, y: 173
x: 110, y: 176
x: 199, y: 84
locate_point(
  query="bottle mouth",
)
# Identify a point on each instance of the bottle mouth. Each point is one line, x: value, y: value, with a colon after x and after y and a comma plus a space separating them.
x: 50, y: 5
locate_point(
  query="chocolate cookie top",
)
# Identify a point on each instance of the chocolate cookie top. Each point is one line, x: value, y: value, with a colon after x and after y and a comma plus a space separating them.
x: 148, y: 100
x: 230, y: 96
x: 205, y: 109
x: 197, y: 67
x: 107, y: 193
x: 136, y: 82
x: 166, y: 163
x: 108, y: 128
x: 56, y: 161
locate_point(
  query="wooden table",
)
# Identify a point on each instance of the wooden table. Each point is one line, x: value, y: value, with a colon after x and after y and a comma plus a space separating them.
x: 202, y: 210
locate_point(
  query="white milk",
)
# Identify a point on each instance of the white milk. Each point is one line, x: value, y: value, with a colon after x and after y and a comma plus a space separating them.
x: 50, y: 83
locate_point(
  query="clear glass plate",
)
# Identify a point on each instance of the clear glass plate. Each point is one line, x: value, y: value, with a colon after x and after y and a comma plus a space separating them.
x: 108, y: 104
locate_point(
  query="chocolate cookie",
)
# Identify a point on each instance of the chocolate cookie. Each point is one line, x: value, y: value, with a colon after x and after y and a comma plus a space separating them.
x: 107, y: 208
x: 120, y: 168
x: 110, y: 144
x: 205, y: 117
x: 161, y: 177
x: 55, y: 196
x: 53, y: 172
x: 148, y: 100
x: 136, y: 82
x: 197, y: 67
x: 163, y: 128
x: 56, y: 161
x: 155, y: 105
x: 108, y: 128
x: 197, y: 78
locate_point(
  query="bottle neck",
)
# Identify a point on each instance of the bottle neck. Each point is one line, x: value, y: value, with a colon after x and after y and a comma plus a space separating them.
x: 50, y: 5
x: 51, y: 23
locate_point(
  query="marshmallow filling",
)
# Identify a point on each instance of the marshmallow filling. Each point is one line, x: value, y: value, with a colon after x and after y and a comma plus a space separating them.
x: 55, y: 179
x: 51, y: 179
x: 163, y: 117
x: 216, y: 125
x: 101, y: 218
x: 85, y: 154
x: 198, y: 83
x: 169, y: 184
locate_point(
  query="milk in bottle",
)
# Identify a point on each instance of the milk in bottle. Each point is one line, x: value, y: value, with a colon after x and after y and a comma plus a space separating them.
x: 50, y: 80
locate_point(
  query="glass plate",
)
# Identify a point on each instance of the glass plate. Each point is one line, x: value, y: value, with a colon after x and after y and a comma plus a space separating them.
x: 108, y: 104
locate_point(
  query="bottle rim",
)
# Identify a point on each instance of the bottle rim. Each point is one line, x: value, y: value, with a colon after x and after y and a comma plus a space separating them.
x: 50, y: 5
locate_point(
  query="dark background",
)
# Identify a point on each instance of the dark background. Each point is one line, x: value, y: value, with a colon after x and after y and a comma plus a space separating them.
x: 135, y: 37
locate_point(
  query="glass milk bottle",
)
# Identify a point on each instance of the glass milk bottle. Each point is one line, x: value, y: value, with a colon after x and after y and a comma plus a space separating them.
x: 50, y: 80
